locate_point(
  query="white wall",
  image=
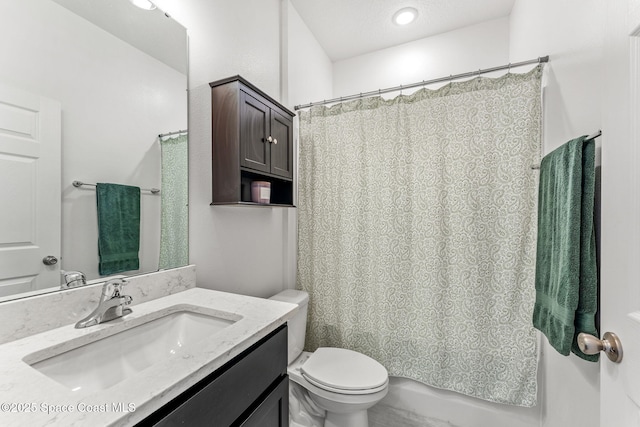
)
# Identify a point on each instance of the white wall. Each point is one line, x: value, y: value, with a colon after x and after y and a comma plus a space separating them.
x: 101, y: 82
x: 310, y: 70
x: 231, y: 37
x: 571, y: 33
x: 478, y: 46
x: 242, y: 249
x: 237, y: 249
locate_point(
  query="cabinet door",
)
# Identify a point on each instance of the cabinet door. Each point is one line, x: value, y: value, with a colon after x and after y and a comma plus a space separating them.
x: 254, y: 129
x: 274, y: 409
x: 282, y: 145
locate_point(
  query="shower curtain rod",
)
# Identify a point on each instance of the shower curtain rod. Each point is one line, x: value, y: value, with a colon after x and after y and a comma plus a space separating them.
x: 424, y: 82
x: 172, y: 133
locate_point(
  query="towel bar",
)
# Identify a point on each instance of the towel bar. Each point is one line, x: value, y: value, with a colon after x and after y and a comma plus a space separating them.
x: 79, y: 184
x: 592, y: 136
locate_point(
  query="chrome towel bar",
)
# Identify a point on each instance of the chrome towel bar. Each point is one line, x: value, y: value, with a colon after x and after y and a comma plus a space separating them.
x: 79, y: 184
x: 592, y: 136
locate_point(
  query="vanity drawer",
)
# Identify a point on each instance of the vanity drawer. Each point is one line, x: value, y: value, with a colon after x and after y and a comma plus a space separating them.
x: 234, y: 392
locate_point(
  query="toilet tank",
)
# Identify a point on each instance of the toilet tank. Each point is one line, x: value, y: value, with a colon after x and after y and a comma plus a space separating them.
x: 297, y: 325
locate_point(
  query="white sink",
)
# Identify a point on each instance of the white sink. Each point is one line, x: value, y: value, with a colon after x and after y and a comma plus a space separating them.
x: 108, y: 361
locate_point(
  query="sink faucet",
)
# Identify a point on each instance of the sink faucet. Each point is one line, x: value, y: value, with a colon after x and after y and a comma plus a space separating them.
x: 72, y: 279
x: 111, y: 305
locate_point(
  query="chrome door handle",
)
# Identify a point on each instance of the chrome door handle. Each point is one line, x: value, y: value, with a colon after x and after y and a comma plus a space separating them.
x: 49, y: 260
x: 610, y: 344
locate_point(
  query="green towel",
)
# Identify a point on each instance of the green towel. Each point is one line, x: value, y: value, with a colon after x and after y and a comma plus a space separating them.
x: 118, y: 228
x: 566, y: 270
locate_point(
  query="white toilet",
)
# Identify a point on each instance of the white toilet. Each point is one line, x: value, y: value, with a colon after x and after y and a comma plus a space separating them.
x: 331, y: 387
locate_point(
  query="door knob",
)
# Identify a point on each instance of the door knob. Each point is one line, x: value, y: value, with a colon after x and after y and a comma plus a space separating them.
x: 49, y: 260
x: 610, y: 344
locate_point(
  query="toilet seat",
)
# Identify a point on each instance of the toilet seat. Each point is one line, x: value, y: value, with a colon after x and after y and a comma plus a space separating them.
x: 344, y: 371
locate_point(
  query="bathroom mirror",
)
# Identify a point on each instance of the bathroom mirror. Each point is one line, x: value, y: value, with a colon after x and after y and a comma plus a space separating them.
x: 119, y: 74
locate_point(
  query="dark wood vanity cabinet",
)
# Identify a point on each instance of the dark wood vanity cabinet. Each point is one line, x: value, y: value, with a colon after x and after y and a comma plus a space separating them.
x: 252, y: 140
x: 251, y: 390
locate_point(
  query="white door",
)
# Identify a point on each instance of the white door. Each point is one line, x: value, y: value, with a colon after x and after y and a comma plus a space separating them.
x: 30, y: 196
x: 620, y: 274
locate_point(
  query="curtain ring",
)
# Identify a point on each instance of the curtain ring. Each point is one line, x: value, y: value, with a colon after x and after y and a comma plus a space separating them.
x: 509, y: 70
x: 400, y: 90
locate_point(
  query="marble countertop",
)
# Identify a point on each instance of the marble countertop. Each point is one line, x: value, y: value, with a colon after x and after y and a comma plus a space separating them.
x: 28, y: 397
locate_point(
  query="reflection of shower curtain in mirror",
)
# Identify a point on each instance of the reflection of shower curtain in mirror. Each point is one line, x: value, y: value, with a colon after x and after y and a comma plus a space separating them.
x: 417, y: 225
x: 174, y: 244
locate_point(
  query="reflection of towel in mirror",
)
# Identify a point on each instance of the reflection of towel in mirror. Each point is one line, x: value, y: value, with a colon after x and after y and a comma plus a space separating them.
x: 566, y: 270
x: 118, y: 228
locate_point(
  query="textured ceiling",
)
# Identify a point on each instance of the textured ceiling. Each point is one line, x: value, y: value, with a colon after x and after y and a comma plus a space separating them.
x: 347, y: 28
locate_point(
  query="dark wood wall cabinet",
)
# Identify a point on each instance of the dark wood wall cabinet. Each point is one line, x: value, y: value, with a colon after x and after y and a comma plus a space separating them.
x: 252, y: 140
x: 252, y: 390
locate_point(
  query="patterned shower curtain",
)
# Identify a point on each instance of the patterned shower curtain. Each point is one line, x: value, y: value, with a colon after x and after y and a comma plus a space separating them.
x: 417, y: 224
x: 174, y: 232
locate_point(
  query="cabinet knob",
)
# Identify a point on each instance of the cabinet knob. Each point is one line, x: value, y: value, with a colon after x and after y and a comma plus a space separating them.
x: 269, y: 139
x: 275, y: 141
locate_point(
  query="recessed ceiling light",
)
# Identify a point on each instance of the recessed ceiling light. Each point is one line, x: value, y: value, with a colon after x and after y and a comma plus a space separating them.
x: 405, y: 16
x: 143, y: 4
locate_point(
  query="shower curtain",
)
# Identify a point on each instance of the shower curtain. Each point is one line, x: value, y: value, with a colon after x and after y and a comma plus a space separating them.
x: 174, y: 244
x: 417, y: 222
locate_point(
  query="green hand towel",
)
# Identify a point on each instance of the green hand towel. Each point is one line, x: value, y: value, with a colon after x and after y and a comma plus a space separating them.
x: 118, y: 228
x: 566, y: 270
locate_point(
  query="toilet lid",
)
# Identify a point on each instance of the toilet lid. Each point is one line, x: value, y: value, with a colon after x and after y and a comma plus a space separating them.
x: 342, y: 369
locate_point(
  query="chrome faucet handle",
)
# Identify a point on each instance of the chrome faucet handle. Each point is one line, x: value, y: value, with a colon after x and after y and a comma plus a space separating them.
x: 72, y: 279
x: 111, y: 305
x: 112, y: 288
